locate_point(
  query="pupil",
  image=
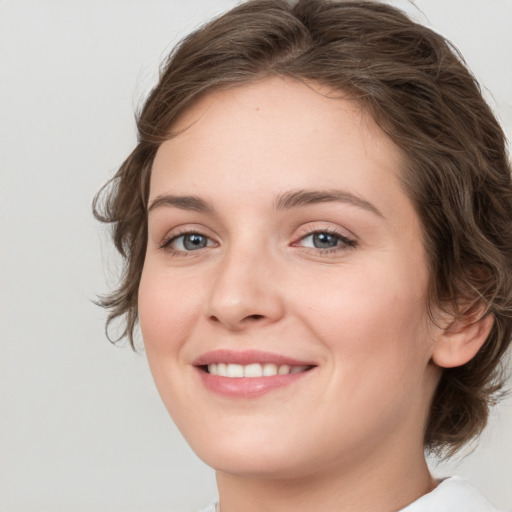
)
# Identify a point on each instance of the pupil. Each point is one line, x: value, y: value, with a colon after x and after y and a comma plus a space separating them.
x: 192, y: 242
x: 324, y: 240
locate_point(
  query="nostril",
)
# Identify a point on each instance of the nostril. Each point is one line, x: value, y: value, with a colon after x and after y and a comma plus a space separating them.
x: 236, y: 322
x: 255, y: 317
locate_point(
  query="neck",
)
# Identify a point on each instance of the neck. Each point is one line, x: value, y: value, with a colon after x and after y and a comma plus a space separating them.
x: 382, y: 485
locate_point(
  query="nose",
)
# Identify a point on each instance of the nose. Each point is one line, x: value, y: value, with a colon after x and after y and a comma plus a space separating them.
x: 245, y: 291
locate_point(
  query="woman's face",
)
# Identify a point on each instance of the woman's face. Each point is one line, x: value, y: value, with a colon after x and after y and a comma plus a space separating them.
x: 283, y: 248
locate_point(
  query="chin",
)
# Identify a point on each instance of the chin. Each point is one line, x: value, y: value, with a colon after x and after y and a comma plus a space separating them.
x: 253, y: 463
x: 274, y: 452
x: 243, y: 446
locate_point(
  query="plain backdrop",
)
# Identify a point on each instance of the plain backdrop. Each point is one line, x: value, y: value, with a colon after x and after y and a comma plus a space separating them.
x: 81, y: 424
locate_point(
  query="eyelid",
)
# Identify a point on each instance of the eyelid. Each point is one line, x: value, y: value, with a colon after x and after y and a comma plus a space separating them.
x: 347, y: 241
x: 174, y: 234
x: 309, y: 228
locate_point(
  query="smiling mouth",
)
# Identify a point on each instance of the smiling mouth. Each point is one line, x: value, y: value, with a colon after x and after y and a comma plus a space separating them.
x: 253, y: 370
x: 248, y: 374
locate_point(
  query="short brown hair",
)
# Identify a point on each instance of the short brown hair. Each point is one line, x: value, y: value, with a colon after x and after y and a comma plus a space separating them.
x: 417, y: 88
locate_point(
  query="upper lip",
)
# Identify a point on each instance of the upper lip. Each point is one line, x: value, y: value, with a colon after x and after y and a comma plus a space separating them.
x: 247, y: 357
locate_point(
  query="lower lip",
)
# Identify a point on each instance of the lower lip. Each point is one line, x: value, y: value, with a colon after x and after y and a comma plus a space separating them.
x: 247, y: 387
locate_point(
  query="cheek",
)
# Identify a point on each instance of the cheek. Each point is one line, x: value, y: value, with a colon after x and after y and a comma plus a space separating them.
x: 374, y: 327
x: 167, y: 316
x: 166, y: 311
x: 373, y: 316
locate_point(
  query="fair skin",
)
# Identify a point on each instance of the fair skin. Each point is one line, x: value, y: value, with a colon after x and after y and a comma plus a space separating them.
x: 244, y: 267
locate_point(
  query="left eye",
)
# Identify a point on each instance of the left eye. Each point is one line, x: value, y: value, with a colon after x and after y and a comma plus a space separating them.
x: 190, y: 242
x: 325, y: 240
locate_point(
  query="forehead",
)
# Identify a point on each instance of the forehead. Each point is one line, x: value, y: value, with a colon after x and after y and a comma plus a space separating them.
x: 291, y: 109
x: 276, y: 135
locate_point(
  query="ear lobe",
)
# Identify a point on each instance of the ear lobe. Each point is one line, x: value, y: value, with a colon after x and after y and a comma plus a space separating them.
x: 462, y: 339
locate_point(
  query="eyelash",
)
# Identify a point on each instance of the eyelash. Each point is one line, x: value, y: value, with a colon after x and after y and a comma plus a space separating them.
x: 345, y: 243
x: 166, y: 242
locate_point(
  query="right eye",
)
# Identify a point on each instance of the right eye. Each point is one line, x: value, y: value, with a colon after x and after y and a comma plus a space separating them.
x: 187, y: 242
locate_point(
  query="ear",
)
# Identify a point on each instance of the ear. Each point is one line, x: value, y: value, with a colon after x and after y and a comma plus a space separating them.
x: 461, y: 340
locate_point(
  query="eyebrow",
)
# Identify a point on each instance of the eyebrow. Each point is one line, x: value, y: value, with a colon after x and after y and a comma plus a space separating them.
x: 297, y: 198
x: 286, y: 201
x: 193, y: 203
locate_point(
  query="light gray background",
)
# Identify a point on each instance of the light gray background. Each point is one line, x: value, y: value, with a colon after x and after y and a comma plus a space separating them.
x: 81, y: 425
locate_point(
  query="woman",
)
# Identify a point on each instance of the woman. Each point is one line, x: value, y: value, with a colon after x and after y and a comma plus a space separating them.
x: 317, y: 230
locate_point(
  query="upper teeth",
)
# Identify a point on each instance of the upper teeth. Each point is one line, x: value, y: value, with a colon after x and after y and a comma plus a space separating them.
x: 253, y: 370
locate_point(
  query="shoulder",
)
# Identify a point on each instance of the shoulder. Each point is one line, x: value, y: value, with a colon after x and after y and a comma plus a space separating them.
x: 452, y: 495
